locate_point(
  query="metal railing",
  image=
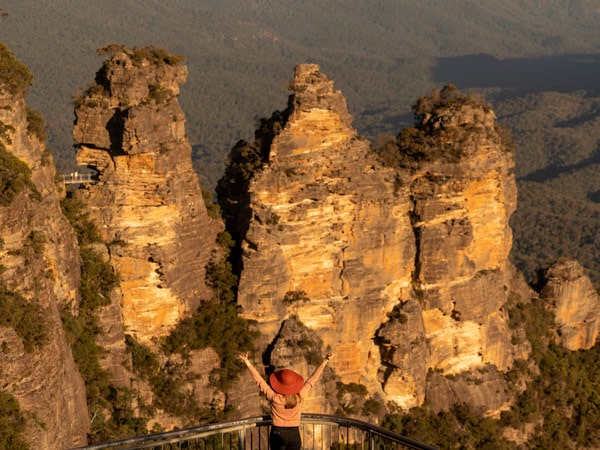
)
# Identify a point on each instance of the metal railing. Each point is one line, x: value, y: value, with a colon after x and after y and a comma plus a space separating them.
x: 78, y: 178
x: 318, y: 431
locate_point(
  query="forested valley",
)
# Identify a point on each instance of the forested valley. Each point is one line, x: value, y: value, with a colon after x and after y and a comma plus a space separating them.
x: 537, y: 65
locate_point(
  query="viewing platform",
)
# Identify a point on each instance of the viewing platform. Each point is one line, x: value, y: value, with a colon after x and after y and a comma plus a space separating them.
x: 318, y: 431
x: 78, y: 178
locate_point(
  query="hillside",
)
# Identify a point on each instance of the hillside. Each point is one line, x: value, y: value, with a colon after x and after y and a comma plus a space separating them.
x: 518, y: 54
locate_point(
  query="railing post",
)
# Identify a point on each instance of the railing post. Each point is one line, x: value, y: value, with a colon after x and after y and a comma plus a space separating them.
x: 242, y: 438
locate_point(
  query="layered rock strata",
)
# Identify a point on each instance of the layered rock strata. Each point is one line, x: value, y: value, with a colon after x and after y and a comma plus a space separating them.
x: 146, y: 198
x: 39, y: 262
x: 463, y: 194
x: 327, y: 230
x: 575, y: 304
x: 399, y: 270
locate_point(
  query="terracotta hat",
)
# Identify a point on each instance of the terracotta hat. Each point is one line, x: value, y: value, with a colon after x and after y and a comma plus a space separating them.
x: 286, y: 382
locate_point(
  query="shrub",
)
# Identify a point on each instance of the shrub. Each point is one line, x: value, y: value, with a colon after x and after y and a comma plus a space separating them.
x: 221, y: 279
x: 36, y: 241
x: 75, y: 212
x: 351, y: 397
x: 371, y: 407
x: 14, y: 75
x: 35, y: 124
x: 12, y: 423
x: 26, y: 318
x: 15, y: 176
x: 144, y: 361
x: 218, y: 326
x: 4, y: 130
x: 538, y: 324
x: 292, y: 297
x: 461, y: 427
x: 156, y: 55
x: 212, y: 208
x: 97, y: 276
x: 97, y: 279
x: 158, y: 93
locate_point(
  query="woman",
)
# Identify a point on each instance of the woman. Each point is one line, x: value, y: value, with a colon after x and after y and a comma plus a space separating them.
x: 285, y: 395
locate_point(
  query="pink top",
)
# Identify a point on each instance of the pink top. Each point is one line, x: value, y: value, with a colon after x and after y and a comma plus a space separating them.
x: 281, y: 416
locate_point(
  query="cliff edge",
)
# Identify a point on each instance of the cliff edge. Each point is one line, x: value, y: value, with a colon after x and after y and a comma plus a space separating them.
x: 39, y: 275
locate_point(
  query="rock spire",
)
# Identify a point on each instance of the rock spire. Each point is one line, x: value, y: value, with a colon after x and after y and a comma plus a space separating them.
x: 399, y: 268
x: 146, y: 199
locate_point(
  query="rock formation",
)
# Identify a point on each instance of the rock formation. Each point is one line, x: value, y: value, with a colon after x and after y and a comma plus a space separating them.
x: 463, y: 195
x: 400, y: 270
x: 39, y: 274
x: 328, y: 234
x: 146, y: 199
x: 395, y: 259
x: 570, y: 295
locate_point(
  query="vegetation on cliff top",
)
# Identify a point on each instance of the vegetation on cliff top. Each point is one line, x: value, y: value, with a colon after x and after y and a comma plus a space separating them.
x: 14, y: 75
x: 155, y: 55
x: 431, y: 138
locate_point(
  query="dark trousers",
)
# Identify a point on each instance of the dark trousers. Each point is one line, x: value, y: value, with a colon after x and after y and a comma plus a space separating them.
x: 287, y: 438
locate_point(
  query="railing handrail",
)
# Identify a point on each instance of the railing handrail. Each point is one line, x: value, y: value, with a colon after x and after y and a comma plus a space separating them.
x: 77, y: 178
x: 364, y: 426
x: 242, y: 424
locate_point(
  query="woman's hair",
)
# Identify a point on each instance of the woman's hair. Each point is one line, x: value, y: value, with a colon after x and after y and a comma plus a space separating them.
x: 291, y: 401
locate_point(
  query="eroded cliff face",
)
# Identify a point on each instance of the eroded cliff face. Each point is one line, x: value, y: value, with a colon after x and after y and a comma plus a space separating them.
x: 570, y: 295
x: 399, y: 270
x: 464, y: 193
x: 327, y: 231
x: 39, y: 258
x: 146, y: 198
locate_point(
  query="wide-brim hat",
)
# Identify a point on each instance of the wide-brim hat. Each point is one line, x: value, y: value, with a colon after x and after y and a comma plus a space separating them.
x: 286, y: 382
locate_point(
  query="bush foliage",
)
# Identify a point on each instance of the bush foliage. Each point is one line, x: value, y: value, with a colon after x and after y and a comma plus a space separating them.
x: 25, y: 317
x: 12, y: 423
x: 110, y: 406
x: 15, y: 176
x: 156, y: 55
x: 14, y: 75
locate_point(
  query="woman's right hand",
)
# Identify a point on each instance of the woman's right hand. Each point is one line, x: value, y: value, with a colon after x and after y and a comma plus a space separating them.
x: 244, y: 357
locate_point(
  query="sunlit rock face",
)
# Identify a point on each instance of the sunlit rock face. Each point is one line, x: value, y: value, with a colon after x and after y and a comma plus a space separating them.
x: 329, y: 221
x: 39, y: 262
x: 146, y: 200
x: 462, y: 209
x: 570, y: 295
x: 464, y: 194
x: 400, y: 270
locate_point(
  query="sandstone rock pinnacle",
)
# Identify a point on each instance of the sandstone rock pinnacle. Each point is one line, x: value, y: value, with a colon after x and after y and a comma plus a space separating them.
x: 399, y: 269
x: 329, y: 223
x: 146, y: 200
x: 570, y: 295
